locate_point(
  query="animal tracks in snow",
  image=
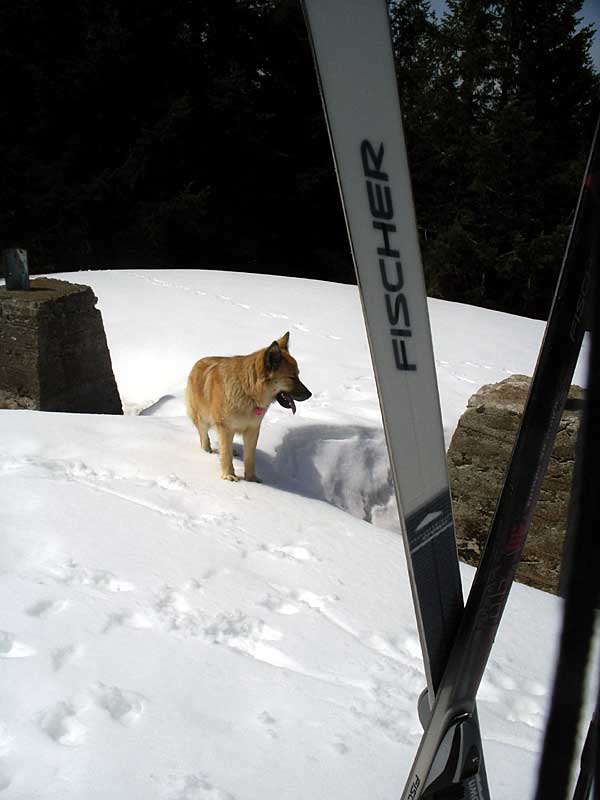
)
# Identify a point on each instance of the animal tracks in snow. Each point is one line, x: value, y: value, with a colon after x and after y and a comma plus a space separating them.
x: 108, y: 482
x: 297, y: 552
x: 225, y: 298
x: 6, y: 774
x: 135, y: 619
x: 247, y: 636
x: 269, y: 723
x: 462, y: 370
x: 291, y: 601
x: 403, y: 648
x: 46, y: 608
x: 273, y: 315
x: 123, y: 706
x: 197, y: 787
x: 517, y: 700
x: 61, y: 656
x: 279, y: 606
x: 100, y: 479
x: 11, y: 647
x: 236, y: 630
x: 72, y: 573
x: 62, y: 724
x: 7, y: 758
x: 68, y: 721
x: 174, y: 613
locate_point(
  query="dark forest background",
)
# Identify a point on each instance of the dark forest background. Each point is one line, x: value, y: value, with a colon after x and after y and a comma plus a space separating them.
x: 190, y: 133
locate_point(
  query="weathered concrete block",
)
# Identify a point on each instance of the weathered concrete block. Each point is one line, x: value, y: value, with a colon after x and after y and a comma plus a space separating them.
x: 477, y: 461
x: 53, y: 350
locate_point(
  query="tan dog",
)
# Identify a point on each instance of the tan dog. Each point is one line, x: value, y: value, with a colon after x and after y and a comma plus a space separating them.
x: 232, y: 395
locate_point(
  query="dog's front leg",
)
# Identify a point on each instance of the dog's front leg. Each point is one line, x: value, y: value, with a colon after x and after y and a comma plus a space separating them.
x: 250, y: 440
x: 226, y: 453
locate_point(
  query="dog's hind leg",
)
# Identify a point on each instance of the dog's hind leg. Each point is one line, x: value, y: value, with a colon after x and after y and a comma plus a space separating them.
x: 204, y: 438
x: 202, y: 428
x: 226, y: 453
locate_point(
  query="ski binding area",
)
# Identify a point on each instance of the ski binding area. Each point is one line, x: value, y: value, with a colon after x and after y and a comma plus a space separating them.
x: 168, y: 635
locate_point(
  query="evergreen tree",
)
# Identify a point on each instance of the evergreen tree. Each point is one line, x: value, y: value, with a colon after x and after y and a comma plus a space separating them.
x: 175, y: 133
x: 517, y: 88
x: 191, y: 134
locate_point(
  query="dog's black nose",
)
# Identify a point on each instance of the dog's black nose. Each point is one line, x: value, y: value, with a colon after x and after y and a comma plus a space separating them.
x: 301, y: 392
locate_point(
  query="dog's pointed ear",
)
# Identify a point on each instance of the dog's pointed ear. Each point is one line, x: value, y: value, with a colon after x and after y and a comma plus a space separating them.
x: 272, y: 357
x: 283, y: 342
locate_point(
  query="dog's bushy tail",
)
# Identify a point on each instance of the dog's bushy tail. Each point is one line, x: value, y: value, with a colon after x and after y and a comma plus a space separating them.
x: 188, y: 402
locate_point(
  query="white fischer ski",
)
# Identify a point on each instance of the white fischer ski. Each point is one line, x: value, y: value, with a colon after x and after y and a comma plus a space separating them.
x: 353, y: 54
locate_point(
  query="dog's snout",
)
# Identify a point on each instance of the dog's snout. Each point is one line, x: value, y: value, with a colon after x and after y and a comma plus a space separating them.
x: 300, y: 391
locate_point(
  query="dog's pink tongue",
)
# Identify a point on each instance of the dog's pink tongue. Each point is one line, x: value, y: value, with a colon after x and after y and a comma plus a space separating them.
x: 287, y: 401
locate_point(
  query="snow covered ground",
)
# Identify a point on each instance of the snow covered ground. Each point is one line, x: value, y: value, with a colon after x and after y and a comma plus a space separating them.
x: 165, y: 634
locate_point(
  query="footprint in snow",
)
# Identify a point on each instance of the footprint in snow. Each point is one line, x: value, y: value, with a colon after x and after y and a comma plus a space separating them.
x: 527, y: 710
x: 341, y: 747
x: 313, y: 600
x: 298, y: 552
x: 518, y: 700
x: 266, y: 718
x: 109, y: 582
x: 7, y: 761
x: 239, y: 631
x: 125, y: 707
x: 269, y: 722
x: 248, y: 636
x: 278, y: 605
x: 173, y: 611
x: 6, y: 774
x: 125, y: 619
x: 389, y: 706
x: 11, y: 647
x: 62, y: 721
x: 72, y: 573
x: 61, y: 724
x: 476, y: 366
x: 404, y: 651
x: 198, y: 787
x: 46, y: 608
x: 193, y: 585
x: 273, y: 315
x: 286, y: 602
x: 62, y: 656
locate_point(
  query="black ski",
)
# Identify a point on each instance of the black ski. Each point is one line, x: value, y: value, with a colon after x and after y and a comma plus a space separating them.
x: 583, y: 578
x: 589, y: 762
x: 443, y: 758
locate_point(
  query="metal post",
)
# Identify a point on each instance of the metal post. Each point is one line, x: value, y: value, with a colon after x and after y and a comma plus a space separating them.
x: 16, y: 270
